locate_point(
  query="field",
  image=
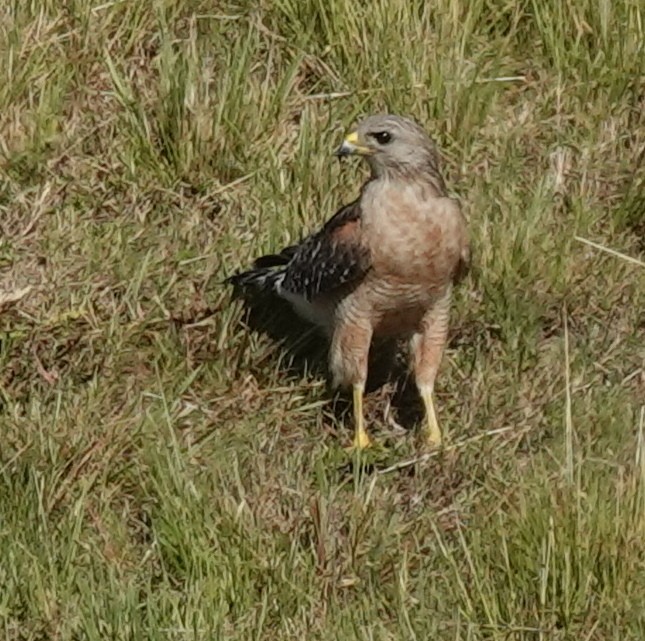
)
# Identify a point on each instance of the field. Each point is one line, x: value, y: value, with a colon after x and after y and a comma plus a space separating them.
x: 167, y: 472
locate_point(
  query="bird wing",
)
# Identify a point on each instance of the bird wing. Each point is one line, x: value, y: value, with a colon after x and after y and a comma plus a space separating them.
x: 333, y: 258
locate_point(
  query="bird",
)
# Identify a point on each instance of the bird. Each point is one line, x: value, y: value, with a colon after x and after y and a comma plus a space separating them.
x: 384, y: 265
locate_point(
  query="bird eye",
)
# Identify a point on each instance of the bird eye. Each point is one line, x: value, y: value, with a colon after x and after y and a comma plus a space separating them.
x: 382, y: 137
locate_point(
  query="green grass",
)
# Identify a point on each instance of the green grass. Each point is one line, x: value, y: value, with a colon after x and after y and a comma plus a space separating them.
x: 164, y: 475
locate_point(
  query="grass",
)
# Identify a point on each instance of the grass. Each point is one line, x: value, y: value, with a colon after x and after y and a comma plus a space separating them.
x: 165, y: 475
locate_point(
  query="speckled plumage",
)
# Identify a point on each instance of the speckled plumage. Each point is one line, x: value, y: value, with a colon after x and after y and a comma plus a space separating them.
x: 383, y: 265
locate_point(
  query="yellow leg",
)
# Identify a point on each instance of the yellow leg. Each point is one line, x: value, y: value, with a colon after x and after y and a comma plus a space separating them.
x: 432, y: 432
x: 361, y: 439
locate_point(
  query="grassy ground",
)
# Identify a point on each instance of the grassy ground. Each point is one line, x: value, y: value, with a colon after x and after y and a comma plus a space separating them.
x: 165, y: 475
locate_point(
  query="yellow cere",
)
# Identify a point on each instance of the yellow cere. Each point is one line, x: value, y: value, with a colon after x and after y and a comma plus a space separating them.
x: 352, y: 138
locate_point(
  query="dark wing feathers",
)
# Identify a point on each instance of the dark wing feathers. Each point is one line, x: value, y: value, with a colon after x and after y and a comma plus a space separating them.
x: 323, y: 262
x: 332, y: 258
x: 276, y: 260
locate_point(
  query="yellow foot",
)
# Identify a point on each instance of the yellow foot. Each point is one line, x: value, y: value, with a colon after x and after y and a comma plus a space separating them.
x: 361, y: 440
x: 432, y: 441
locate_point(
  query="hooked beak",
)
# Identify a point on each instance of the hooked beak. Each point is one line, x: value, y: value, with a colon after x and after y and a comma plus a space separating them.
x: 350, y: 146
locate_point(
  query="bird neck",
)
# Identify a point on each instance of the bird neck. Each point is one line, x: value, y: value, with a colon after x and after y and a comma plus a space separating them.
x: 429, y: 179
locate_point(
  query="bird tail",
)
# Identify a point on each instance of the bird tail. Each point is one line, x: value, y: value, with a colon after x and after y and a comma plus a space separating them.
x: 260, y: 278
x: 266, y: 274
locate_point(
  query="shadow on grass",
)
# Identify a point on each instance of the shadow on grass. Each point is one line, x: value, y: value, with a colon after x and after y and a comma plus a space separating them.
x: 304, y: 351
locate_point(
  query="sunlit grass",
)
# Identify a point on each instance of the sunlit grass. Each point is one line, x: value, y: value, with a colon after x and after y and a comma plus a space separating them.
x: 165, y: 475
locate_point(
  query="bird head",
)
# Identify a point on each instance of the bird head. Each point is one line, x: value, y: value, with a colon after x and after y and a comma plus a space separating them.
x: 392, y: 145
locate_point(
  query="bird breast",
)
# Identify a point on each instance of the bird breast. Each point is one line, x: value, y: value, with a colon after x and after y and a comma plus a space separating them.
x: 415, y: 241
x: 414, y: 237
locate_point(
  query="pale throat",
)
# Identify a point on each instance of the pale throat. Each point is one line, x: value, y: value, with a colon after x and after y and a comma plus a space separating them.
x: 400, y: 189
x: 424, y: 177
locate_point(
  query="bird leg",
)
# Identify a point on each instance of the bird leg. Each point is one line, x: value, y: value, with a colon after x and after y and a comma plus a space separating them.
x: 427, y: 350
x: 361, y: 438
x: 433, y: 432
x: 348, y: 363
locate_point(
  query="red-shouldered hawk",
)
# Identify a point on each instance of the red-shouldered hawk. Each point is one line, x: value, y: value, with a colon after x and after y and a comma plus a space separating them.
x: 384, y: 265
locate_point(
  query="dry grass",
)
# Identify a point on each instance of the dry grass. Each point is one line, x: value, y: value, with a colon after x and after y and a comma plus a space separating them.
x: 167, y: 474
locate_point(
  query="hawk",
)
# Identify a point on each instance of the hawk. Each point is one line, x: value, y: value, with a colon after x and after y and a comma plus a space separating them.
x: 383, y: 265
